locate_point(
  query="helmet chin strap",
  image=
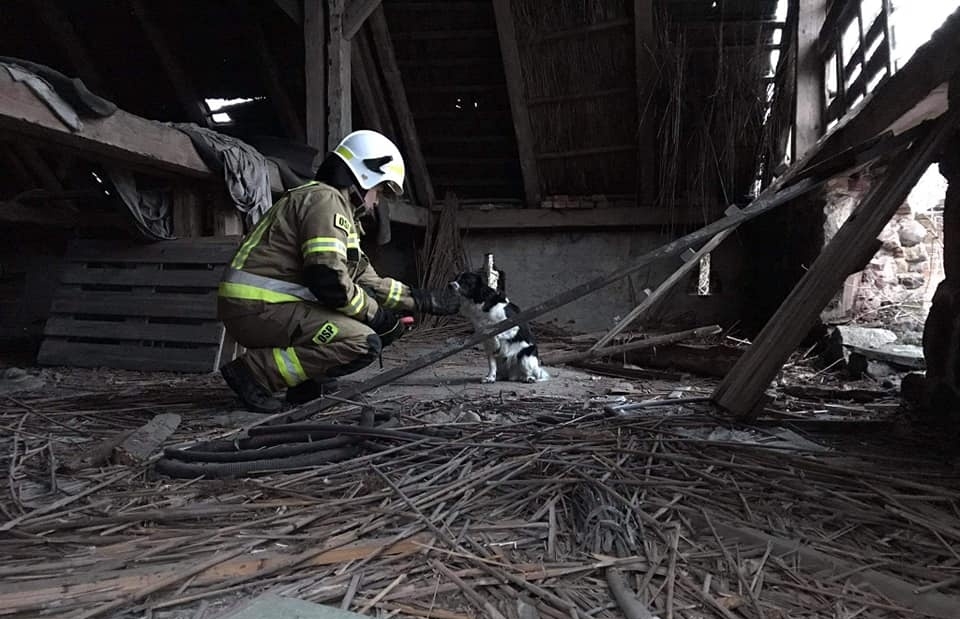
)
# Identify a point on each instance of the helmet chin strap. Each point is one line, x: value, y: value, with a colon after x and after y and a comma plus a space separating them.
x: 356, y: 198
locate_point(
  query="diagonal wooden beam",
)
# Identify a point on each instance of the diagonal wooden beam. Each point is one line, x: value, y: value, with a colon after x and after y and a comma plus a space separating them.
x: 191, y: 102
x: 362, y: 81
x: 512, y: 68
x: 357, y: 13
x: 293, y: 8
x: 742, y: 389
x: 397, y: 95
x: 272, y: 80
x: 315, y: 72
x: 65, y: 36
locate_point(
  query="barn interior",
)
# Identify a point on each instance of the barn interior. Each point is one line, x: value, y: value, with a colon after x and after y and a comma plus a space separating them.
x: 731, y: 224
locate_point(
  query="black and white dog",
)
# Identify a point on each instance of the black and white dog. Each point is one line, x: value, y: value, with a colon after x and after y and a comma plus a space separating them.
x: 511, y: 355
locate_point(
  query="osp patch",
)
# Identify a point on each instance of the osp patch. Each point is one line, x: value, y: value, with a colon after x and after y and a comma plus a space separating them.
x: 326, y: 333
x: 340, y: 221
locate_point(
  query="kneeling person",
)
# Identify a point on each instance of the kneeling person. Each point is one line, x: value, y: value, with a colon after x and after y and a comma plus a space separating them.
x: 302, y: 297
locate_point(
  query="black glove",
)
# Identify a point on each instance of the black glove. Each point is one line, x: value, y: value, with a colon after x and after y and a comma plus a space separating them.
x: 387, y: 325
x: 437, y: 302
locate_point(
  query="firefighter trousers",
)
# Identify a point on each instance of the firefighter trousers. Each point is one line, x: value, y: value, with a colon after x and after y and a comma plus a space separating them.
x: 289, y: 343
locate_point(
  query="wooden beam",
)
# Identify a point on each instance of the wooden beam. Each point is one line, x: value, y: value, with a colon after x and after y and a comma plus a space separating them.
x: 409, y: 214
x: 371, y: 75
x: 65, y: 36
x: 293, y: 9
x: 272, y: 79
x: 513, y: 70
x: 122, y: 138
x: 614, y: 217
x: 339, y: 106
x: 183, y: 86
x: 16, y: 213
x: 645, y: 42
x: 315, y: 72
x: 742, y: 389
x: 396, y: 93
x: 362, y: 79
x: 808, y: 122
x: 357, y: 13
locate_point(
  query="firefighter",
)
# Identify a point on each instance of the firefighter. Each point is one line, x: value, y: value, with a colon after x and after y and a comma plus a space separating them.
x: 301, y: 296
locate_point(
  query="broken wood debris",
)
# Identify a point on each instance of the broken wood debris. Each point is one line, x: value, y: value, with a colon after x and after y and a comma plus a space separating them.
x: 545, y: 504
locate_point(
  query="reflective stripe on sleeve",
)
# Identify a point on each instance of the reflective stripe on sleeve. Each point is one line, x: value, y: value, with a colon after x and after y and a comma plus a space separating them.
x: 356, y: 305
x: 324, y: 245
x: 393, y: 297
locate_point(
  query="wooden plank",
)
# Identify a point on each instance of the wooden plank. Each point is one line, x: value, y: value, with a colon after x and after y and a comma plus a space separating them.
x: 315, y: 72
x: 808, y: 121
x: 339, y: 105
x: 356, y: 15
x: 513, y: 70
x: 111, y: 585
x: 202, y: 250
x: 743, y: 387
x: 405, y: 213
x: 568, y: 33
x: 146, y: 440
x: 190, y: 100
x: 199, y: 306
x: 146, y: 275
x: 396, y: 93
x: 645, y: 65
x: 187, y: 212
x: 132, y: 330
x: 126, y: 357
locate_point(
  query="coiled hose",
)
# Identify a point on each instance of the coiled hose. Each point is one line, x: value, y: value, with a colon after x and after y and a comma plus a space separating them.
x: 279, y: 448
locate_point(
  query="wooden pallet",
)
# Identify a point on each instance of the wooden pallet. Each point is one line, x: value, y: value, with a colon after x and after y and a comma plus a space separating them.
x: 136, y: 306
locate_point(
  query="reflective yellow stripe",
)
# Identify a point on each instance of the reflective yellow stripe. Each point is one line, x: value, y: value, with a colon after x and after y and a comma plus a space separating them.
x: 393, y: 297
x: 289, y: 365
x: 254, y: 239
x: 344, y: 152
x: 356, y: 304
x: 324, y: 245
x: 229, y: 290
x: 353, y: 242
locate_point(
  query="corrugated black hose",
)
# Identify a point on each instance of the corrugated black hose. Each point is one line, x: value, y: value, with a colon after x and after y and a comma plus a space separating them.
x: 279, y: 448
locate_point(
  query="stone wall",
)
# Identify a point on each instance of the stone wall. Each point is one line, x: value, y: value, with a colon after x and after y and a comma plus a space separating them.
x: 896, y: 286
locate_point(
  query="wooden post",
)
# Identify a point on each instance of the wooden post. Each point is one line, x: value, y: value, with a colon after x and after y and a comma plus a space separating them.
x: 416, y: 164
x: 941, y: 346
x: 645, y: 40
x: 195, y: 109
x: 808, y: 122
x: 315, y: 72
x: 513, y: 70
x: 742, y: 389
x: 187, y: 212
x: 370, y: 71
x: 338, y: 77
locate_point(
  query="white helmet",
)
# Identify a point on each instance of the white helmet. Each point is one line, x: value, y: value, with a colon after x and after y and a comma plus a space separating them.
x: 373, y: 159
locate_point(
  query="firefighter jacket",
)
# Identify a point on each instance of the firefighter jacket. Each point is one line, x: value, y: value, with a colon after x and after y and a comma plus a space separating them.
x: 307, y: 248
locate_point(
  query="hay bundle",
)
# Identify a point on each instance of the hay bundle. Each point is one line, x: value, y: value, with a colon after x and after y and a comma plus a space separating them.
x: 442, y: 256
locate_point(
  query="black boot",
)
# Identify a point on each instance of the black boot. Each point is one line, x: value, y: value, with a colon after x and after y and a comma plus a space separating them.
x: 310, y: 389
x: 251, y: 393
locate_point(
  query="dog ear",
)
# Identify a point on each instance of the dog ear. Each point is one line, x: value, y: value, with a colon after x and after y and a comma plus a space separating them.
x: 501, y: 282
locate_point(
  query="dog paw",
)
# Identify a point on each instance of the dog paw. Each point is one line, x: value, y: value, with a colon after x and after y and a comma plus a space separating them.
x: 530, y: 379
x: 486, y: 380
